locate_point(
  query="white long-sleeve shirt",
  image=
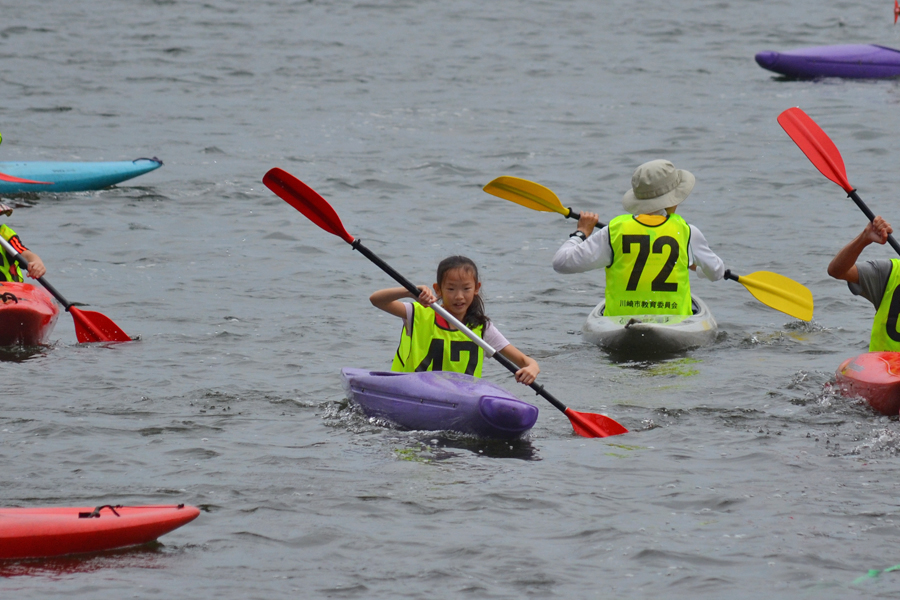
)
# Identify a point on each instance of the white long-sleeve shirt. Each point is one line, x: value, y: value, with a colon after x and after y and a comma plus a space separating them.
x: 575, y: 256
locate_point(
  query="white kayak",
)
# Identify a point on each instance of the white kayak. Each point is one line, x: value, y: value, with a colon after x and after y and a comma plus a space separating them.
x: 651, y: 334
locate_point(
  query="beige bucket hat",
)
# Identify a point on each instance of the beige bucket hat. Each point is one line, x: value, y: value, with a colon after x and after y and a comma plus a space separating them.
x: 656, y: 185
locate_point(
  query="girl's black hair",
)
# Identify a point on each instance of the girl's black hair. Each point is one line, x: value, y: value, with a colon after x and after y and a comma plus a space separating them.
x: 475, y: 315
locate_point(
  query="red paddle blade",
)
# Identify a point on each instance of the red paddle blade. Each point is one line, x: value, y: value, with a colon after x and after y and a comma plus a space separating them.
x: 816, y: 145
x: 92, y: 326
x: 11, y: 179
x: 593, y: 425
x: 306, y: 200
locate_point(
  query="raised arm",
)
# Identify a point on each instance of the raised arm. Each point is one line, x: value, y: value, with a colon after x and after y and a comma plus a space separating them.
x: 388, y: 299
x: 577, y: 255
x: 843, y: 265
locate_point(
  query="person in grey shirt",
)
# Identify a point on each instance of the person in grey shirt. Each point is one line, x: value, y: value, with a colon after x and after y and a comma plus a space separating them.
x: 870, y: 278
x: 875, y: 280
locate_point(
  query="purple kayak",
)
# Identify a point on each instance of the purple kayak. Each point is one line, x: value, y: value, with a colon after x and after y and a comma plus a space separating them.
x: 861, y: 61
x: 439, y: 400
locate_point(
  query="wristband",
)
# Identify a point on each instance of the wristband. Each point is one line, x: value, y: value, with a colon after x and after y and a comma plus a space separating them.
x: 579, y: 234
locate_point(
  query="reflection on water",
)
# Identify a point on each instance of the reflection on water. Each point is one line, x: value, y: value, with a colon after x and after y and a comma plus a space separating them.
x: 438, y: 443
x: 423, y: 446
x: 23, y: 353
x: 146, y: 556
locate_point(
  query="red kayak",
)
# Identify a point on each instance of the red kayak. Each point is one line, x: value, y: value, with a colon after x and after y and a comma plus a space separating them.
x: 874, y: 376
x: 28, y: 314
x: 55, y: 531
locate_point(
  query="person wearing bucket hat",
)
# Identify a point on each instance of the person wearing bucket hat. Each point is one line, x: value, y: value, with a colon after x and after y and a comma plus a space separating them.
x: 9, y: 270
x: 649, y: 252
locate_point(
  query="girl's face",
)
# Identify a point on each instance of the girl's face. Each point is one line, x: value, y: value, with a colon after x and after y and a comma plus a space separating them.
x: 457, y: 291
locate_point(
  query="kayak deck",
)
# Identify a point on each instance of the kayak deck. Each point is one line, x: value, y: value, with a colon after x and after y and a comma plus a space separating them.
x: 437, y: 400
x: 651, y: 335
x: 28, y: 314
x: 873, y: 376
x: 57, y: 531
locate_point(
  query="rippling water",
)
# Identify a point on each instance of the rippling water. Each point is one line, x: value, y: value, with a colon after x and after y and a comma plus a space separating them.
x: 744, y: 475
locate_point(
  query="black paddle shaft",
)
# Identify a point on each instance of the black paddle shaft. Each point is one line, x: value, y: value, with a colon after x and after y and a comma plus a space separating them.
x: 862, y: 206
x: 55, y: 293
x: 574, y: 215
x: 412, y: 289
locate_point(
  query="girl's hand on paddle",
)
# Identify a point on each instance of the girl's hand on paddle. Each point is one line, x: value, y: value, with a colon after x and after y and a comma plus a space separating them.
x: 528, y: 367
x: 427, y: 297
x: 587, y: 222
x: 528, y: 373
x: 36, y: 268
x: 878, y: 230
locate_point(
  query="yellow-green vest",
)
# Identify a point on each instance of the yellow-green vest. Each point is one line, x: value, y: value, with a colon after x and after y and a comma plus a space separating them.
x: 9, y: 270
x: 649, y: 271
x: 433, y: 346
x: 885, y: 335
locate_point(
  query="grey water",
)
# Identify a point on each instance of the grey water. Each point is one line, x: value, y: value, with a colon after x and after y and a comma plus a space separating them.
x: 744, y: 475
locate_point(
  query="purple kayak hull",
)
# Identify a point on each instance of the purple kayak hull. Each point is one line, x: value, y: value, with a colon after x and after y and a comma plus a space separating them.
x: 861, y: 61
x: 438, y: 400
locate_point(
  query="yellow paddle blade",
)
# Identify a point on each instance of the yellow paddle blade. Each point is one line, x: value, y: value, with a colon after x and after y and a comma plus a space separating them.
x: 780, y: 292
x: 527, y: 193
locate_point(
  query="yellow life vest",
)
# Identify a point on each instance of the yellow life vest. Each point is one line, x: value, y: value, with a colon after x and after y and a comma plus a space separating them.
x: 433, y: 346
x: 650, y: 266
x: 9, y: 270
x: 885, y: 334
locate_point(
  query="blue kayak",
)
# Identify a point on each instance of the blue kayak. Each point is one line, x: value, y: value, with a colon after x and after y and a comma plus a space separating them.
x: 19, y: 177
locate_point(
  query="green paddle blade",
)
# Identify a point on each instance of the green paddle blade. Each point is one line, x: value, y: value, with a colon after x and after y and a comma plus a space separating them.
x: 527, y: 193
x: 780, y: 292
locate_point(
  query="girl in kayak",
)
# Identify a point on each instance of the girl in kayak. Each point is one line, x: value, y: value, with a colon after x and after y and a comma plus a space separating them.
x: 875, y: 280
x: 9, y: 270
x: 649, y: 252
x: 429, y: 343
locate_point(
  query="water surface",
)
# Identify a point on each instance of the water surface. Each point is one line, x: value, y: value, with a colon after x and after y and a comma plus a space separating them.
x: 744, y: 475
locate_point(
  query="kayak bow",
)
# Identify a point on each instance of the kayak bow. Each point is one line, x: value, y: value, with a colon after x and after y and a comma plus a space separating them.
x: 20, y: 177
